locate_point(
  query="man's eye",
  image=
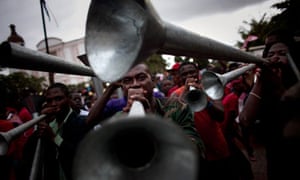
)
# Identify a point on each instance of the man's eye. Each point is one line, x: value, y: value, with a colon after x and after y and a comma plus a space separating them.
x: 126, y: 81
x: 184, y: 74
x: 270, y: 54
x: 58, y: 98
x: 282, y: 53
x: 141, y: 77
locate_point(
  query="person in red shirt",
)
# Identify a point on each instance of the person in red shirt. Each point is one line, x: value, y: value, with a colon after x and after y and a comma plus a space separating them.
x: 207, y: 122
x: 175, y: 78
x: 232, y: 132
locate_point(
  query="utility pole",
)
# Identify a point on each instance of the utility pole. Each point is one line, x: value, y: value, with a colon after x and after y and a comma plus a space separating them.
x: 51, y: 74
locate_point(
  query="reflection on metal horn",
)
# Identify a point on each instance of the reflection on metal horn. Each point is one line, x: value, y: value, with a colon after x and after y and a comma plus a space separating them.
x: 213, y: 83
x: 122, y: 33
x: 136, y: 148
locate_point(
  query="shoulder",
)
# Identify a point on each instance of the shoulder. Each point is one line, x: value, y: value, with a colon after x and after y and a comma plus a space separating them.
x: 178, y: 91
x: 116, y: 102
x: 172, y: 105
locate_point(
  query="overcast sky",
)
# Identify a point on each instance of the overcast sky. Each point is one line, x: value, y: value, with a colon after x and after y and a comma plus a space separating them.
x: 216, y: 19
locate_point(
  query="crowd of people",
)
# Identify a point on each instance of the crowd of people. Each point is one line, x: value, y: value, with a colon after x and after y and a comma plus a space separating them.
x: 258, y: 106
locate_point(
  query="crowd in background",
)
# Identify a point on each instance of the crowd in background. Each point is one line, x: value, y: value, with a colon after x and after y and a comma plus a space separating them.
x: 258, y: 107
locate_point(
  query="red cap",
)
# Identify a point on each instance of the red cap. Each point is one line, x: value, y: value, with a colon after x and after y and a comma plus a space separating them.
x: 175, y: 67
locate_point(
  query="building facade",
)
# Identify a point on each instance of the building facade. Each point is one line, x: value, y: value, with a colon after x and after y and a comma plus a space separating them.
x: 69, y: 51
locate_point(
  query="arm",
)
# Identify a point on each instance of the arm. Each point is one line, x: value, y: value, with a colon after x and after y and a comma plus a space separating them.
x: 95, y: 114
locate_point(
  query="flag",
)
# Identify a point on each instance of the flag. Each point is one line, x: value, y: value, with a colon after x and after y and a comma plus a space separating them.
x: 45, y: 7
x: 249, y: 39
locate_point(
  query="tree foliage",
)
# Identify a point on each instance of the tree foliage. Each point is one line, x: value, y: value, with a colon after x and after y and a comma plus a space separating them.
x: 288, y: 18
x: 156, y: 63
x: 19, y: 81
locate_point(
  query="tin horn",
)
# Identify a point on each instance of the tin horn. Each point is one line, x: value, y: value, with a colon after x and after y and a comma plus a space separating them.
x: 196, y: 98
x: 16, y: 56
x: 122, y: 33
x: 136, y: 147
x: 7, y: 137
x: 213, y: 83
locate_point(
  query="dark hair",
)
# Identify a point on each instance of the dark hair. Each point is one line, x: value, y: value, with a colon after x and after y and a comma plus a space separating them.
x: 61, y: 86
x: 281, y: 35
x: 289, y: 75
x: 187, y: 63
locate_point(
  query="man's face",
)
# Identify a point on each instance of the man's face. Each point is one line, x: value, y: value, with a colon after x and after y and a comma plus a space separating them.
x: 278, y: 53
x: 76, y: 98
x: 188, y: 71
x: 55, y: 97
x: 138, y: 77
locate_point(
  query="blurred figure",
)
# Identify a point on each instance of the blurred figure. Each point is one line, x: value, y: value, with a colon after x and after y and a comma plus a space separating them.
x: 175, y: 78
x: 207, y: 121
x: 78, y: 106
x: 166, y: 85
x: 232, y: 132
x: 263, y: 102
x: 60, y: 133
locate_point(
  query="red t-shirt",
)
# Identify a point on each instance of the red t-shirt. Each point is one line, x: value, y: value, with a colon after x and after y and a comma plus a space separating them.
x: 231, y: 104
x: 211, y: 133
x: 172, y: 90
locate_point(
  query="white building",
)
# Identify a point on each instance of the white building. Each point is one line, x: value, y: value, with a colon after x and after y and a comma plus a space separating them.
x: 69, y: 51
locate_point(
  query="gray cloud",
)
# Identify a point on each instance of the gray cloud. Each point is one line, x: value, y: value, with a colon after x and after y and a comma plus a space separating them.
x: 71, y: 15
x: 178, y: 10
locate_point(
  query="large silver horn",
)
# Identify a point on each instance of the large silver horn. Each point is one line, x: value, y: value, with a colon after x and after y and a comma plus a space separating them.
x: 121, y: 33
x: 136, y: 147
x: 213, y: 83
x: 7, y: 137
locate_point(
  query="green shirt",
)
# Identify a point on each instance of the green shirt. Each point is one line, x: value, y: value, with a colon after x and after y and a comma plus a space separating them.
x: 173, y: 109
x: 181, y: 114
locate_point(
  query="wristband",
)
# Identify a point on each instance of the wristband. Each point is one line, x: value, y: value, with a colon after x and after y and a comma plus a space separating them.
x: 255, y: 95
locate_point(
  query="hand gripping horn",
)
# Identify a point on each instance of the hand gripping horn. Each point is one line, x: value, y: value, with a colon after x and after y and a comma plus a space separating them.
x: 7, y: 137
x: 122, y: 33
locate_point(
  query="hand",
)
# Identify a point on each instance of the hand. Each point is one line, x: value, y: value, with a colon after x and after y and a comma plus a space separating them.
x: 192, y: 82
x: 50, y: 111
x: 137, y: 94
x: 44, y: 130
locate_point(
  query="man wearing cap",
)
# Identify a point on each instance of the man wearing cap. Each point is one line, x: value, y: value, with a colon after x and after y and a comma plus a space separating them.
x: 175, y: 78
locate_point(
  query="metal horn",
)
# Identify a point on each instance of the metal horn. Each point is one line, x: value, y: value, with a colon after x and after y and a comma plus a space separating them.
x: 122, y: 33
x: 196, y: 99
x: 136, y: 147
x: 7, y: 137
x: 16, y: 56
x: 213, y: 83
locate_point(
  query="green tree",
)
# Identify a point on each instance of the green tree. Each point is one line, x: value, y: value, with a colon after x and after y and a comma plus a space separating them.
x: 288, y: 18
x: 258, y: 28
x: 20, y: 81
x: 156, y: 63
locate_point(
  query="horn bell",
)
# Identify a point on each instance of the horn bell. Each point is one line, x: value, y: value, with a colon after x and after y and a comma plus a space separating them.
x: 136, y: 148
x: 119, y: 34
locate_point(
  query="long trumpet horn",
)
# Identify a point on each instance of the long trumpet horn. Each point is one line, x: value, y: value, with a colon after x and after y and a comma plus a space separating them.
x: 7, y: 137
x: 196, y: 99
x: 122, y: 33
x: 136, y: 147
x: 213, y: 83
x: 16, y: 56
